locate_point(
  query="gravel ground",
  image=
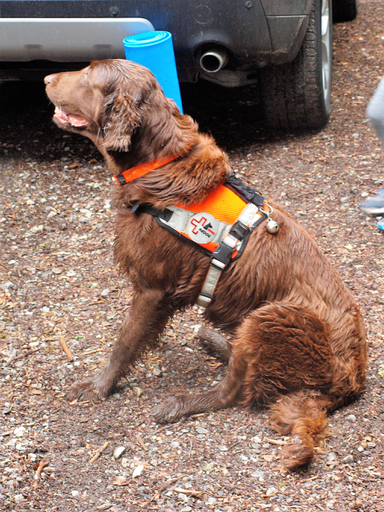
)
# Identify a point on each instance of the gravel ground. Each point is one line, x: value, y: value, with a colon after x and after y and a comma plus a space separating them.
x: 59, y: 287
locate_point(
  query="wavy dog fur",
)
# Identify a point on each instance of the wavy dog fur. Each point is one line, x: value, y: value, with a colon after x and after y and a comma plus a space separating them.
x: 297, y: 336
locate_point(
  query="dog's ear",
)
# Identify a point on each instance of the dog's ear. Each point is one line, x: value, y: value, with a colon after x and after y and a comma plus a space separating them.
x: 121, y: 117
x: 134, y: 105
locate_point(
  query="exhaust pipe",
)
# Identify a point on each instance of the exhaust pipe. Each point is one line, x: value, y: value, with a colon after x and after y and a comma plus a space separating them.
x: 213, y: 60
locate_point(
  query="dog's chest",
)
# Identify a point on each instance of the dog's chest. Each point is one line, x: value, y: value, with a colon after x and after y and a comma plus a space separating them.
x: 143, y: 247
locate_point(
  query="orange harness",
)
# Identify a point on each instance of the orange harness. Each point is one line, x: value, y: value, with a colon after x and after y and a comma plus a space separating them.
x: 220, y: 225
x: 221, y: 208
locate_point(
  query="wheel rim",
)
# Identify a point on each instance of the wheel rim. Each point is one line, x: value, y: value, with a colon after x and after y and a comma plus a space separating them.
x: 326, y: 51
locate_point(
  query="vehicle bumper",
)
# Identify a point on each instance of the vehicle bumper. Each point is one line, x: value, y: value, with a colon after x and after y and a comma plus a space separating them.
x: 66, y: 39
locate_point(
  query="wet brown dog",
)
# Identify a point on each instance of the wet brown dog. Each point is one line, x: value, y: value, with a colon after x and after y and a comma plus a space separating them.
x: 298, y: 338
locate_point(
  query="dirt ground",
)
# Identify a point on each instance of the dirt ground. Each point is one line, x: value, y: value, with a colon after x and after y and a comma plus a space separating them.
x: 59, y: 285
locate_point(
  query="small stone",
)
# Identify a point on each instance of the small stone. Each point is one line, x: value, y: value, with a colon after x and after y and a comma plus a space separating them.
x: 75, y: 494
x: 105, y: 292
x: 208, y: 468
x: 351, y: 418
x: 7, y: 286
x: 182, y: 497
x: 157, y: 372
x: 118, y: 452
x: 360, y: 448
x: 87, y: 213
x: 201, y: 430
x: 138, y: 391
x: 57, y: 270
x: 137, y: 471
x: 105, y: 506
x: 258, y: 474
x: 348, y: 459
x: 271, y: 491
x: 211, y: 500
x: 332, y: 459
x: 36, y: 229
x: 19, y: 431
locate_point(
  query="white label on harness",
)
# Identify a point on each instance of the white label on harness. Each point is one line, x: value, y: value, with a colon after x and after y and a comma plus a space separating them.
x: 202, y: 227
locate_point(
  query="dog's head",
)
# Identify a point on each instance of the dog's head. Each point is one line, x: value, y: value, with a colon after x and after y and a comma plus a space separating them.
x: 110, y: 101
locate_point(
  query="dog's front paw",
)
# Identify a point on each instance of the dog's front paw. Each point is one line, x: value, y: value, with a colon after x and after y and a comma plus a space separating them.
x: 86, y: 390
x: 169, y: 411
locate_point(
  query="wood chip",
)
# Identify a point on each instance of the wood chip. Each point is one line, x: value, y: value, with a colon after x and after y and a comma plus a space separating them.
x: 99, y: 452
x: 66, y: 349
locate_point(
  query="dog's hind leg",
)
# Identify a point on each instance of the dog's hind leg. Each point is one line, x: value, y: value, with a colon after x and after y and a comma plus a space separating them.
x: 289, y: 354
x: 214, y: 343
x: 278, y: 350
x: 223, y: 395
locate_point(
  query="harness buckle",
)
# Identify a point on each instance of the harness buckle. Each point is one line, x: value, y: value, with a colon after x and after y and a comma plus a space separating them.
x: 239, y: 230
x: 223, y: 253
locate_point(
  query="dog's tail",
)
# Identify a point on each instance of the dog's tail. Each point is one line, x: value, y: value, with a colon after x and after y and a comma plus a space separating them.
x: 303, y: 416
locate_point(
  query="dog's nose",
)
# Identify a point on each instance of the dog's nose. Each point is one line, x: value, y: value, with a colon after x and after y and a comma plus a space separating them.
x: 48, y: 79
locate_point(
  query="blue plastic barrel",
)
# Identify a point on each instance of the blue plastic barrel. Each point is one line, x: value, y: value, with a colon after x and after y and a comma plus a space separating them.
x: 154, y: 50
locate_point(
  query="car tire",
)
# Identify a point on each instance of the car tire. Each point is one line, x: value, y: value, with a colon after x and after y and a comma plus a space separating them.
x: 297, y: 95
x: 345, y: 10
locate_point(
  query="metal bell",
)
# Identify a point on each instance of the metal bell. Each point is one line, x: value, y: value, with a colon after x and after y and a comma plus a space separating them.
x: 272, y: 226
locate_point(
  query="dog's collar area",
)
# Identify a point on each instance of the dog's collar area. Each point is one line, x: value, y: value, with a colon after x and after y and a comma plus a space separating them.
x: 142, y: 169
x: 220, y: 226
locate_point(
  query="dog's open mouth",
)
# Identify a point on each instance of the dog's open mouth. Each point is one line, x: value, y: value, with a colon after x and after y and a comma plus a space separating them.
x: 75, y: 120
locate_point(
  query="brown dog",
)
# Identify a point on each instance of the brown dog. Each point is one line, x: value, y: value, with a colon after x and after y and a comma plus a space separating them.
x: 298, y: 336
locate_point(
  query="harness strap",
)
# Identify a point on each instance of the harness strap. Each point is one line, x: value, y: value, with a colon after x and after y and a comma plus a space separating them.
x: 249, y: 218
x: 142, y: 169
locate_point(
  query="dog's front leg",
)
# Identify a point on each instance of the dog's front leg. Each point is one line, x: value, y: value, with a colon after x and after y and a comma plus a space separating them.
x: 147, y: 318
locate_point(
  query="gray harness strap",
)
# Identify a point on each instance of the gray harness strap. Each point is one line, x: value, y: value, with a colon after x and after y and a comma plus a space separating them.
x: 238, y: 235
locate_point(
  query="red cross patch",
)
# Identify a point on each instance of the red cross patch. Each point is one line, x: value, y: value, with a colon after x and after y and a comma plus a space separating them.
x: 202, y: 227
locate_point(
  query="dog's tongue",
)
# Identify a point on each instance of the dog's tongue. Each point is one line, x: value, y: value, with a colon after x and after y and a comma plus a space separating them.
x: 77, y: 120
x: 72, y: 119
